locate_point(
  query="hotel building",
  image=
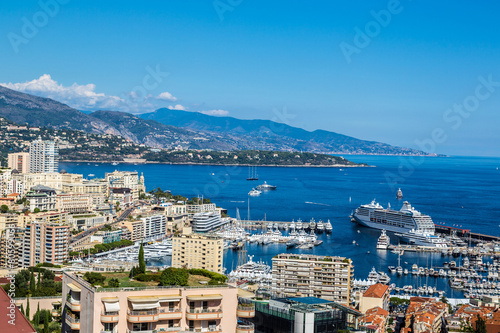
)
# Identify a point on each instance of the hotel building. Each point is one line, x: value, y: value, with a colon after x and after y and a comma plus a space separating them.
x: 197, y: 251
x: 324, y: 277
x: 151, y: 309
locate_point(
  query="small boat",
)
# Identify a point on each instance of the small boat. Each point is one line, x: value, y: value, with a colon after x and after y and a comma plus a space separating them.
x: 320, y: 227
x: 399, y: 194
x: 91, y: 175
x: 114, y: 163
x: 254, y: 193
x: 266, y: 187
x: 252, y: 174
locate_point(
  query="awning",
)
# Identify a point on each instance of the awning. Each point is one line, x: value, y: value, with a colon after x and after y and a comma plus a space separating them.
x: 112, y: 306
x: 169, y: 298
x: 207, y: 297
x: 145, y: 305
x: 74, y: 287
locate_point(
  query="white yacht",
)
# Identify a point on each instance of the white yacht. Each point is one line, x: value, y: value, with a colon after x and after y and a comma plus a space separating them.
x: 254, y: 193
x: 328, y: 227
x: 312, y: 224
x: 399, y: 195
x: 383, y: 241
x: 298, y: 225
x: 266, y: 187
x: 418, y: 237
x: 320, y: 227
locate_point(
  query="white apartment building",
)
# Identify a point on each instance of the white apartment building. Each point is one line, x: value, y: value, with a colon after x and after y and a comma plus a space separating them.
x: 42, y: 197
x: 43, y: 156
x: 150, y: 227
x: 297, y: 275
x: 205, y: 222
x: 127, y: 179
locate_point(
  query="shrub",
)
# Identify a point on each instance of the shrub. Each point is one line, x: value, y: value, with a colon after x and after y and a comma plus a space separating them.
x: 174, y: 277
x: 147, y: 277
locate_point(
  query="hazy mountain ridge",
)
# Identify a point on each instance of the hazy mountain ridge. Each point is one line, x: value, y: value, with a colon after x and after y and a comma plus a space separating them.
x: 170, y: 129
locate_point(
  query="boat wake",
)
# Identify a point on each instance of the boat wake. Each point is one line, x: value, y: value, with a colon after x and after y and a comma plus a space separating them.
x: 237, y: 201
x: 317, y: 203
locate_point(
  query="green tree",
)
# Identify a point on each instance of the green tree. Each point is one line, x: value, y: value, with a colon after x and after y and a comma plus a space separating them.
x: 36, y: 317
x: 46, y: 322
x: 142, y: 263
x: 114, y: 283
x: 36, y: 210
x: 174, y: 277
x: 32, y: 283
x: 28, y: 308
x: 22, y: 309
x: 480, y: 325
x: 39, y: 282
x: 4, y: 209
x: 94, y: 278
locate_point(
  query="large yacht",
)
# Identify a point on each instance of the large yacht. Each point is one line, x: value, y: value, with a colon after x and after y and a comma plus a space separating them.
x: 417, y: 237
x: 266, y: 187
x: 328, y: 227
x: 383, y: 241
x: 407, y: 218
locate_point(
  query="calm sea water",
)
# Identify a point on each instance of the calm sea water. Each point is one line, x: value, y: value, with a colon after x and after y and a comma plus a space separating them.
x: 454, y: 191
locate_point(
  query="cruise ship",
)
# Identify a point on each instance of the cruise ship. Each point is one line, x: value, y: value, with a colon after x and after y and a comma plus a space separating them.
x: 205, y: 222
x: 416, y: 237
x: 407, y: 218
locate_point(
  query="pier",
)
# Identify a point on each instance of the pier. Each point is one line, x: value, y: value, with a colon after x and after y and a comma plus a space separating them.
x: 466, y: 234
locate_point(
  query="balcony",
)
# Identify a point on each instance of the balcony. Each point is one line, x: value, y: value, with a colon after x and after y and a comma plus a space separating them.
x: 110, y: 317
x: 245, y: 328
x: 206, y: 329
x: 73, y: 322
x: 167, y: 314
x: 148, y: 316
x: 73, y: 304
x: 246, y: 310
x: 204, y: 314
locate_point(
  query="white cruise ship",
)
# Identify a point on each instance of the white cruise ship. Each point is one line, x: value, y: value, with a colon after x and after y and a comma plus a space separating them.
x: 205, y: 222
x: 407, y: 218
x: 416, y: 237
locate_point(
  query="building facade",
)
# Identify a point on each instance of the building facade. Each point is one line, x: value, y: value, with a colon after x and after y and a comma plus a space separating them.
x: 43, y: 157
x: 153, y: 226
x: 192, y: 250
x: 312, y: 276
x: 150, y: 309
x: 19, y: 162
x: 45, y: 243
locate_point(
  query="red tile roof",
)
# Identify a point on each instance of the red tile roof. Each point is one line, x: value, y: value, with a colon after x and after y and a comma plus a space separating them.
x: 13, y: 321
x: 376, y: 291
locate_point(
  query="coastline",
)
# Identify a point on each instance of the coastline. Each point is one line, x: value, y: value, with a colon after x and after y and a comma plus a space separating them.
x: 229, y: 164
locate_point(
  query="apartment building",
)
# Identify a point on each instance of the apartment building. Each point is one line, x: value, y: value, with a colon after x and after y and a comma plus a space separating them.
x: 149, y: 227
x: 151, y: 309
x: 86, y: 221
x: 19, y: 162
x: 42, y: 197
x: 313, y: 276
x: 193, y: 250
x: 45, y: 243
x: 86, y: 187
x: 105, y: 237
x: 11, y: 246
x: 52, y: 180
x: 43, y: 156
x: 122, y: 195
x: 127, y: 179
x: 425, y: 315
x: 75, y: 203
x: 205, y: 222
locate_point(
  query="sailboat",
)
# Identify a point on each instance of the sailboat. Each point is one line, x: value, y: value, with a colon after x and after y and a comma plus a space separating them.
x: 252, y: 173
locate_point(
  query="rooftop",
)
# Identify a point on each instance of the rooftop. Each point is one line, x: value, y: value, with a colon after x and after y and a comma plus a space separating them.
x: 377, y: 290
x: 14, y: 322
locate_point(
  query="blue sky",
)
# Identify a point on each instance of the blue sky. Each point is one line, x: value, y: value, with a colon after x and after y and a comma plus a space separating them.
x: 281, y: 60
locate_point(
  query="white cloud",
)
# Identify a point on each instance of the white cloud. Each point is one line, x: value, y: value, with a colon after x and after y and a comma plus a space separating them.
x: 167, y: 96
x: 177, y: 107
x: 218, y: 112
x: 81, y: 97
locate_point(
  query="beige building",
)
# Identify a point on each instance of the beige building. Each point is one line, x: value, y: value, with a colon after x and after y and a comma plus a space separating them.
x: 152, y: 226
x: 86, y: 187
x: 151, y: 309
x: 75, y: 203
x: 127, y: 179
x: 19, y: 162
x: 45, y: 243
x: 377, y: 295
x: 310, y: 275
x: 53, y: 180
x: 192, y: 250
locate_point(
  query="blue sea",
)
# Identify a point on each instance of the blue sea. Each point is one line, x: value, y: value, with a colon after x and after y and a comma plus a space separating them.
x: 455, y: 191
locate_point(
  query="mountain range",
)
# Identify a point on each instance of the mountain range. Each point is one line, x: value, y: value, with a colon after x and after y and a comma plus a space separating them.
x: 167, y: 128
